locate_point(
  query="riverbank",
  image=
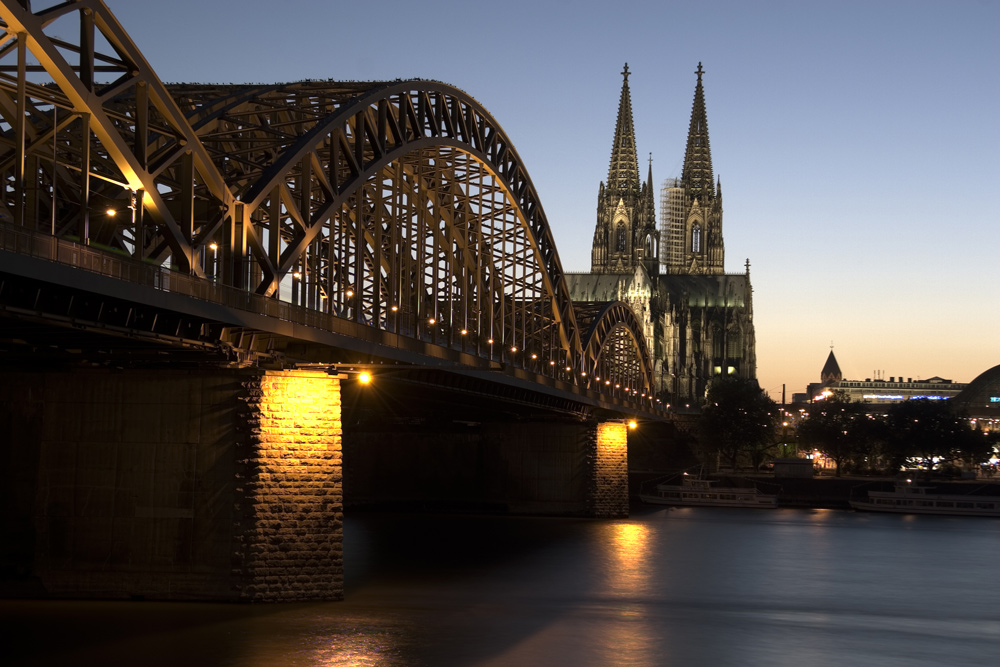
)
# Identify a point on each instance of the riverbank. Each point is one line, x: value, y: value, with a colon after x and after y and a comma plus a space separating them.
x: 822, y: 492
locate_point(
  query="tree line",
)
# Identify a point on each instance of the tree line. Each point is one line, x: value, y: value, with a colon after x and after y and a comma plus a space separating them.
x: 739, y: 428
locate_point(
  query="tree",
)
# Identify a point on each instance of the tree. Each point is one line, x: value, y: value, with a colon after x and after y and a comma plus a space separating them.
x: 931, y: 433
x: 833, y: 427
x: 738, y: 422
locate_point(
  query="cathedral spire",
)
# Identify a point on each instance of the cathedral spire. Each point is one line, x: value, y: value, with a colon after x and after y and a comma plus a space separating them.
x: 697, y: 172
x: 623, y: 174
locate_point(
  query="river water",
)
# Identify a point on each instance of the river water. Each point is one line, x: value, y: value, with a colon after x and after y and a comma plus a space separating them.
x: 672, y: 587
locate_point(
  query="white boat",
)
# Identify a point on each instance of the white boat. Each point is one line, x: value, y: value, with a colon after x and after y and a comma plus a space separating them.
x: 909, y: 498
x: 699, y: 492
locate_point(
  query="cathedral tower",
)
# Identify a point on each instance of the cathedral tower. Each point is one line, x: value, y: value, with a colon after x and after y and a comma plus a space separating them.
x: 626, y: 234
x: 699, y: 223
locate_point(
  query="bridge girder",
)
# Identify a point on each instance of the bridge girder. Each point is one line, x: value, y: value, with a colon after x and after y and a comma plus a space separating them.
x: 401, y: 205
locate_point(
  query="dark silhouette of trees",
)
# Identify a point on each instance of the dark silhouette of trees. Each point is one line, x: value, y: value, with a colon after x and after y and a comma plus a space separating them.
x: 738, y: 423
x: 929, y: 434
x: 917, y: 433
x: 828, y: 428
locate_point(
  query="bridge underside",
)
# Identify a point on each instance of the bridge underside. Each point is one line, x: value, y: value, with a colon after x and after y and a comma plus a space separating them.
x: 191, y: 277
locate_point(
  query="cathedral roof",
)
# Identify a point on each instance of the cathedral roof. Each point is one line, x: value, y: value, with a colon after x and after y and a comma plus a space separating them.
x: 727, y: 289
x: 697, y: 173
x: 623, y: 173
x: 604, y: 287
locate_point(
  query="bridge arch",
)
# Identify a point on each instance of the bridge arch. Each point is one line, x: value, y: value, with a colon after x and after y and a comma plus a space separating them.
x: 615, y: 347
x: 401, y: 205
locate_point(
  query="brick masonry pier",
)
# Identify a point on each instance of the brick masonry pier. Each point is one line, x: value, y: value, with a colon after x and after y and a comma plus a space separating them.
x: 217, y: 485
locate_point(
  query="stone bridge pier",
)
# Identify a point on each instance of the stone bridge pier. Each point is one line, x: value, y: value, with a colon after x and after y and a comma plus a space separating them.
x: 220, y: 485
x: 229, y: 484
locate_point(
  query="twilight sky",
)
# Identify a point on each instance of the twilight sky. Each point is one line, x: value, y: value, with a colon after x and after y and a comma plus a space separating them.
x: 857, y: 141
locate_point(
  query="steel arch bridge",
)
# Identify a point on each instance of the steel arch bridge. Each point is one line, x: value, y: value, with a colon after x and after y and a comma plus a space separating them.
x: 401, y: 206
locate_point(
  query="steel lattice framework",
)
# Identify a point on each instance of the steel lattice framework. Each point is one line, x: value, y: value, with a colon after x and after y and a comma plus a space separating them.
x: 397, y: 205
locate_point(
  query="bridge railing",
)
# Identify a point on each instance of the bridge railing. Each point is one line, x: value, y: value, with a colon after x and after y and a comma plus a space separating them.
x: 25, y: 241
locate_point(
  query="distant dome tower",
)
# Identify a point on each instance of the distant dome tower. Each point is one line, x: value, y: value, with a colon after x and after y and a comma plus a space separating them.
x: 831, y: 371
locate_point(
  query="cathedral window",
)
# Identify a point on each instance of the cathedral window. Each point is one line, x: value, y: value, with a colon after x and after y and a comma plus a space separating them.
x: 735, y: 346
x: 696, y: 238
x: 620, y: 238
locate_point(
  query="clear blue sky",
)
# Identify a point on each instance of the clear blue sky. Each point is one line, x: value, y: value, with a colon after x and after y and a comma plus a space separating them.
x: 857, y: 142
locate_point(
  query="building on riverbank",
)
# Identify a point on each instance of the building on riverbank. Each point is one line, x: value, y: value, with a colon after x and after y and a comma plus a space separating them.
x: 878, y: 390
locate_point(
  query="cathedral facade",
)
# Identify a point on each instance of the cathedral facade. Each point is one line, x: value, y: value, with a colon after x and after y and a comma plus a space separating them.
x: 698, y: 319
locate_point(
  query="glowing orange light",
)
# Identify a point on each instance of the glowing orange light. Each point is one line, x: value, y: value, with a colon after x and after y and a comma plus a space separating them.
x: 349, y: 293
x: 394, y: 308
x: 513, y: 348
x: 632, y: 424
x: 365, y: 377
x: 213, y: 246
x: 111, y: 212
x: 465, y: 331
x: 431, y: 321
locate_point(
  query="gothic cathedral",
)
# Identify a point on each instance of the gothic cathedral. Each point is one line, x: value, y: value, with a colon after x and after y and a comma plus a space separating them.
x: 698, y: 319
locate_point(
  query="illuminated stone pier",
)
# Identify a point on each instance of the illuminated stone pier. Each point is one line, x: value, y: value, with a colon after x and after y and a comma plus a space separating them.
x: 215, y: 485
x: 611, y: 470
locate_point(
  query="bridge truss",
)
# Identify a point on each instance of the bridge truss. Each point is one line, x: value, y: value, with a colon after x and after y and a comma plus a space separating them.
x: 400, y: 206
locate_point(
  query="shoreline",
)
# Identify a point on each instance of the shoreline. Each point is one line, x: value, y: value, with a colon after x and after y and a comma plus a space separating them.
x: 822, y: 492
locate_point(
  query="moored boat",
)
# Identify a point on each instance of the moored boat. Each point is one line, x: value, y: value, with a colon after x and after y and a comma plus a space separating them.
x: 701, y: 493
x: 909, y: 498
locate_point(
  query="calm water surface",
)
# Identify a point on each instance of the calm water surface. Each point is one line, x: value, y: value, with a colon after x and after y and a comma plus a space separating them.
x: 693, y: 586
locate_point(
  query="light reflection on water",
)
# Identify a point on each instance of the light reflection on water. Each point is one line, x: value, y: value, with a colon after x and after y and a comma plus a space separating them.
x: 692, y: 586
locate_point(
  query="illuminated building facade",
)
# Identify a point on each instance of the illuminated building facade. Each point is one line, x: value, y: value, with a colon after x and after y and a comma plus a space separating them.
x: 698, y: 319
x: 879, y: 391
